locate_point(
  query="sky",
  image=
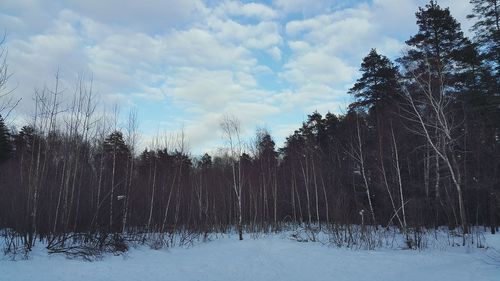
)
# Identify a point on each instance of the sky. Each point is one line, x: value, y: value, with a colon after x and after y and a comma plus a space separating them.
x: 184, y: 64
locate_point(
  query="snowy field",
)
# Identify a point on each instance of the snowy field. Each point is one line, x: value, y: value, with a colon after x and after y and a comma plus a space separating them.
x: 274, y: 257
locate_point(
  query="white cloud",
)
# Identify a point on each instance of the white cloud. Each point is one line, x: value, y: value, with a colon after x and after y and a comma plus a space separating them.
x: 249, y: 10
x: 318, y: 67
x: 460, y: 9
x: 34, y: 61
x: 201, y: 60
x: 398, y: 16
x: 263, y: 35
x: 148, y: 15
x: 208, y: 89
x: 308, y: 7
x: 201, y: 47
x: 27, y: 17
x: 342, y: 33
x: 10, y: 22
x: 275, y: 52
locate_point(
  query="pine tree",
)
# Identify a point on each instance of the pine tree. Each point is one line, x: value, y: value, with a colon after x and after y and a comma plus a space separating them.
x: 438, y: 46
x: 206, y: 161
x: 378, y: 85
x: 485, y: 122
x: 118, y: 153
x: 487, y: 35
x: 378, y: 91
x: 266, y: 147
x: 487, y: 29
x: 115, y: 143
x: 5, y: 143
x: 434, y: 66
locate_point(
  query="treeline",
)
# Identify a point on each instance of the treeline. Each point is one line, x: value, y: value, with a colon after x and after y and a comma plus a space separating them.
x: 419, y: 147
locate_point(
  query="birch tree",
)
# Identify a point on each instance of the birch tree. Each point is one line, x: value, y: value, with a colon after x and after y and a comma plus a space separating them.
x: 231, y: 128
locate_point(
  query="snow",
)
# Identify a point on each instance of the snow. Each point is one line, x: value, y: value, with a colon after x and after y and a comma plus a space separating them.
x: 271, y: 257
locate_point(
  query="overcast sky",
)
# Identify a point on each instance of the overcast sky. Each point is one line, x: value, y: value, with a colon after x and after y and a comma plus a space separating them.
x: 184, y: 64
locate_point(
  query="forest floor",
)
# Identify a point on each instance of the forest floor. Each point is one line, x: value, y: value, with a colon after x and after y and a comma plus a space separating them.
x: 270, y: 257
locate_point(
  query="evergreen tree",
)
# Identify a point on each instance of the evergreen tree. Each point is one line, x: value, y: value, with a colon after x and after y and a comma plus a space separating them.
x: 378, y: 91
x: 327, y: 143
x: 487, y: 35
x: 206, y: 161
x: 313, y: 129
x: 266, y: 148
x: 487, y: 29
x: 378, y: 85
x: 115, y: 143
x: 437, y: 48
x: 5, y: 144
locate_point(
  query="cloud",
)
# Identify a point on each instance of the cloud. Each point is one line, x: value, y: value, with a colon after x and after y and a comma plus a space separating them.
x: 145, y: 15
x: 27, y: 17
x: 460, y: 10
x: 275, y: 52
x: 208, y: 89
x: 249, y: 10
x: 185, y: 63
x: 344, y: 33
x: 34, y: 62
x: 202, y: 48
x: 204, y: 131
x: 318, y: 67
x: 307, y: 7
x: 255, y: 36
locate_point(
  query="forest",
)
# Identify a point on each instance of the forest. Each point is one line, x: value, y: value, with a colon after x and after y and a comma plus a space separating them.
x: 417, y: 149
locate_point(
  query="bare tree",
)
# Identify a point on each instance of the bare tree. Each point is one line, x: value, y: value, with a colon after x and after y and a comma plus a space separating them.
x: 7, y: 101
x: 132, y: 139
x: 431, y: 112
x: 116, y: 113
x: 399, y: 180
x: 357, y: 154
x: 230, y: 125
x: 152, y: 180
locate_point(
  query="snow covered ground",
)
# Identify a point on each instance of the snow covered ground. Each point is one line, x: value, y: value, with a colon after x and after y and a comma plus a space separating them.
x: 274, y: 257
